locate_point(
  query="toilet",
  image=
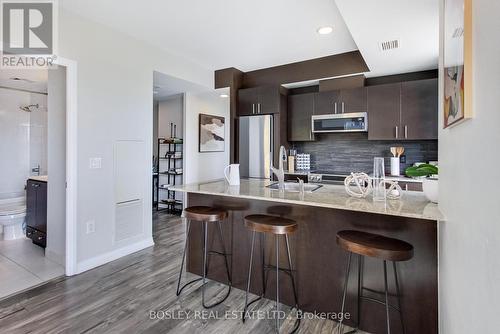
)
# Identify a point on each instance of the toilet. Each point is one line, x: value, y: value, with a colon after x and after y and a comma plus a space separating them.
x: 12, y: 216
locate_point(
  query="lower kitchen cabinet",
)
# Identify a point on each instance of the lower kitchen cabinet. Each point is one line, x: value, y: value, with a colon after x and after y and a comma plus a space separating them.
x: 300, y: 111
x: 36, y: 212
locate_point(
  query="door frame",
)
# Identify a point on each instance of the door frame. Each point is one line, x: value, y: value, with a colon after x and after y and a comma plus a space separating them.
x: 71, y: 164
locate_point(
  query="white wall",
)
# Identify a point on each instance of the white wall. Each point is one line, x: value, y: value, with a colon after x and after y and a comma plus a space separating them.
x: 115, y: 102
x: 202, y: 167
x: 23, y: 139
x: 469, y: 198
x: 170, y: 111
x: 56, y: 192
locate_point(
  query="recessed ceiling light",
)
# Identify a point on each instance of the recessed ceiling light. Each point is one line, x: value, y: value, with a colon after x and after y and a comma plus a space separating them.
x: 224, y: 96
x: 325, y: 30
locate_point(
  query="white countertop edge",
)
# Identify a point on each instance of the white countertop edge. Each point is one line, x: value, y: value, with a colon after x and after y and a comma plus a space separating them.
x: 308, y: 203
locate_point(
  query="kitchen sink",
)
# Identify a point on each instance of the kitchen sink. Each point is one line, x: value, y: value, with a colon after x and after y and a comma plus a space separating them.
x: 294, y: 187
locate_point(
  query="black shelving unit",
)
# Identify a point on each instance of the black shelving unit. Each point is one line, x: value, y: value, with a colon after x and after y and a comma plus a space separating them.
x: 173, y: 156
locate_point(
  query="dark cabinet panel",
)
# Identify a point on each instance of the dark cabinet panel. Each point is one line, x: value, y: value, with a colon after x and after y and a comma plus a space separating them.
x: 300, y: 110
x: 259, y: 100
x: 327, y: 102
x: 384, y: 107
x: 353, y: 100
x: 36, y: 211
x: 247, y: 101
x: 419, y: 109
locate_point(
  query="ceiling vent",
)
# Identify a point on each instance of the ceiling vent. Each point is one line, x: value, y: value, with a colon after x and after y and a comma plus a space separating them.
x: 389, y: 45
x: 458, y: 32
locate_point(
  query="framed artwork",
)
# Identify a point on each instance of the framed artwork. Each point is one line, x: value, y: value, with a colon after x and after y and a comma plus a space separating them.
x: 457, y: 61
x: 211, y: 133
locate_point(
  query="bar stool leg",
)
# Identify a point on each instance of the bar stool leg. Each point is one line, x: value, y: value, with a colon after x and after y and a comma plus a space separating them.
x: 297, y: 322
x: 386, y: 299
x: 277, y: 284
x: 348, y: 268
x: 262, y: 242
x: 248, y: 278
x: 399, y: 296
x: 360, y: 288
x: 225, y: 254
x: 179, y: 289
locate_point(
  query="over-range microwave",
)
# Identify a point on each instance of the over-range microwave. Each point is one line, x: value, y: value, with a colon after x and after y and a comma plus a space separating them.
x: 350, y: 122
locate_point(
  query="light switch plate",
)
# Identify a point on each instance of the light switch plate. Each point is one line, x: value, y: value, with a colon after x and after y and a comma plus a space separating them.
x: 95, y: 163
x: 90, y: 226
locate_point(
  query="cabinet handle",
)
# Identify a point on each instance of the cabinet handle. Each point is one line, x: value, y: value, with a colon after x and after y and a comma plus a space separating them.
x: 406, y: 187
x: 335, y: 107
x: 406, y: 131
x: 253, y: 108
x: 343, y: 107
x: 397, y: 131
x: 258, y: 108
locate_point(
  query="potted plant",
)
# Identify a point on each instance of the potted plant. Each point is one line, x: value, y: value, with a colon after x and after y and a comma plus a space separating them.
x: 430, y: 182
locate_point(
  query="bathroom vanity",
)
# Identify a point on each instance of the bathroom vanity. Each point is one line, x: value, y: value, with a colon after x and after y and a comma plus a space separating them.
x: 36, y: 210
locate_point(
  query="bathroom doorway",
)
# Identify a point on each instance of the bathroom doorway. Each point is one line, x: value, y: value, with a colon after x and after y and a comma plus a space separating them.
x: 33, y: 178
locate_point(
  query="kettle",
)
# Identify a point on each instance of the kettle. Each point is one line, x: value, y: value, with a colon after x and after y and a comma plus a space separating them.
x: 233, y: 176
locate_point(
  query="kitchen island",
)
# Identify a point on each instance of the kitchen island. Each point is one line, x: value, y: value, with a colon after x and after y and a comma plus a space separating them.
x: 318, y: 261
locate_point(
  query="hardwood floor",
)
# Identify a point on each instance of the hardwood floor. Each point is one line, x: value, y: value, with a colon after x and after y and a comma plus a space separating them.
x: 120, y: 296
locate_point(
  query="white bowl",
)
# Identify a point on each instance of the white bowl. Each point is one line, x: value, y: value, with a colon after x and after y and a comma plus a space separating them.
x: 431, y: 189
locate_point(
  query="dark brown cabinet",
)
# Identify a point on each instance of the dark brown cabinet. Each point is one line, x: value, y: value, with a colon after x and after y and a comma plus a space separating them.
x: 326, y: 102
x: 259, y: 100
x: 384, y: 108
x: 341, y: 101
x: 36, y: 212
x: 419, y: 109
x: 403, y: 111
x: 300, y: 110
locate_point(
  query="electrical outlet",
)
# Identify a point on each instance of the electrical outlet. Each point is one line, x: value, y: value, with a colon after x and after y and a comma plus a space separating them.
x: 90, y: 226
x: 95, y: 163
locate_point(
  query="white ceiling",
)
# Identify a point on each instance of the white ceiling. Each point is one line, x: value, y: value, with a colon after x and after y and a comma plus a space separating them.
x: 218, y: 34
x: 31, y: 80
x: 414, y: 22
x: 165, y: 86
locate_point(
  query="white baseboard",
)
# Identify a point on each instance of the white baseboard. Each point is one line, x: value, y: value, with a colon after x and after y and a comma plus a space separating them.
x: 113, y: 255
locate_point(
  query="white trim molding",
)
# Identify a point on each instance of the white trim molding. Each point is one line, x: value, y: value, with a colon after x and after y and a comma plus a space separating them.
x: 113, y: 255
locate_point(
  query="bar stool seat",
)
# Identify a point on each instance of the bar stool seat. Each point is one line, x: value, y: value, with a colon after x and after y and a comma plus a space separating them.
x: 374, y: 245
x: 277, y: 226
x: 270, y: 224
x: 205, y: 215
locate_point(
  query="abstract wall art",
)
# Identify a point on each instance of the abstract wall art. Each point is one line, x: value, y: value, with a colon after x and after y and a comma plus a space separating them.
x: 211, y: 133
x: 457, y: 62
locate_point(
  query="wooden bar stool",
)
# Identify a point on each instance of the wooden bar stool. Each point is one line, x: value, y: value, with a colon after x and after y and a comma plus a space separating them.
x: 205, y: 215
x: 374, y: 246
x: 265, y: 224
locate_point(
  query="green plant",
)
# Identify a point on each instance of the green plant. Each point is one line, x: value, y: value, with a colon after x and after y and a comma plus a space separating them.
x: 421, y: 170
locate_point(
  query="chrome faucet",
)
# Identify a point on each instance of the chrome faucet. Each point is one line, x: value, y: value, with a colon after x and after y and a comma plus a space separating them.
x: 280, y: 173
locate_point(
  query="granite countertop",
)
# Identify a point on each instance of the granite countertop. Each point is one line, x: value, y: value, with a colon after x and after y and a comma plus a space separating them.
x: 412, y: 205
x: 42, y: 178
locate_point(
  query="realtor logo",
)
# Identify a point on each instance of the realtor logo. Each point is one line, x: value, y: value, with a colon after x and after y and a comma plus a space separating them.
x: 28, y: 30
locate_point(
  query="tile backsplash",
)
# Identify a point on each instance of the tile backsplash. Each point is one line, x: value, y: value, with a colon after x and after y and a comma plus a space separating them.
x: 353, y: 152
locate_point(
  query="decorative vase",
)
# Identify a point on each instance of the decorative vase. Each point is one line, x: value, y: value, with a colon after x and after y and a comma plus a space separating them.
x: 431, y: 189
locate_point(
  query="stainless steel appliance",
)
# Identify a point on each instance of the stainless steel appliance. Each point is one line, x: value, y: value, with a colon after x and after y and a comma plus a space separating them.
x: 350, y: 122
x: 325, y: 177
x: 256, y: 146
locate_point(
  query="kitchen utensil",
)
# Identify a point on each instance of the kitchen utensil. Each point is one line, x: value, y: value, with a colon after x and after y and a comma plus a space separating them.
x: 233, y: 177
x: 400, y: 150
x: 394, y: 151
x: 378, y: 179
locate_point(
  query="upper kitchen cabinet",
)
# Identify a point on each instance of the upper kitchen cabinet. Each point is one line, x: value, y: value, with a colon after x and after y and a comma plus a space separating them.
x: 260, y: 100
x: 300, y: 111
x: 341, y: 101
x: 419, y: 109
x: 326, y: 102
x: 352, y: 100
x: 384, y: 106
x: 403, y: 111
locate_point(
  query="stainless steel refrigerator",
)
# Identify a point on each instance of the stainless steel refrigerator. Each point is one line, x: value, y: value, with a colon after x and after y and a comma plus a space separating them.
x: 256, y: 146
